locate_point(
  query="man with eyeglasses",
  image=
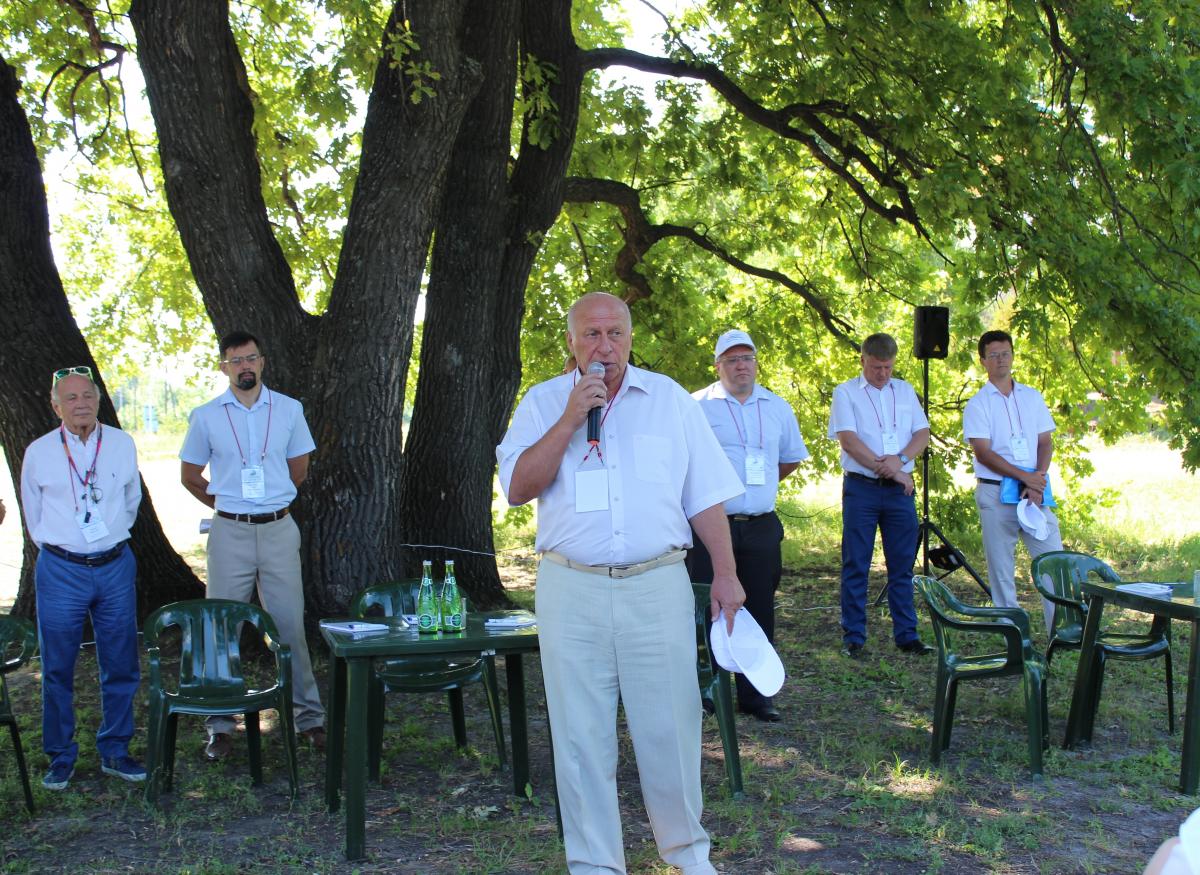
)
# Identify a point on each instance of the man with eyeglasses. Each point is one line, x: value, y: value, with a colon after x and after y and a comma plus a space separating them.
x: 80, y: 490
x: 881, y: 428
x: 1011, y: 434
x: 761, y: 438
x: 256, y: 445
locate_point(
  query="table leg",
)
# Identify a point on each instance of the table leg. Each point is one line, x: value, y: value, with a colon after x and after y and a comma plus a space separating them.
x: 356, y: 758
x: 518, y: 721
x: 1083, y: 707
x: 1189, y: 771
x: 337, y: 733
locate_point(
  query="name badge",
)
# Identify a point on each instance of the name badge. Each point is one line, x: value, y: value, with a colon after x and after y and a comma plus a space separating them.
x: 1020, y: 448
x: 91, y: 525
x: 756, y: 469
x: 591, y: 490
x: 254, y: 482
x: 891, y: 443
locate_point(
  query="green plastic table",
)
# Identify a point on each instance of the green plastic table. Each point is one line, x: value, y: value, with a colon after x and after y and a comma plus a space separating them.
x: 348, y: 676
x: 1082, y: 717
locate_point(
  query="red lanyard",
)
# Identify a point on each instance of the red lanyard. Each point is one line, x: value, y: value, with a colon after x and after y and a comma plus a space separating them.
x: 88, y: 479
x: 270, y: 408
x: 729, y: 407
x: 607, y: 409
x: 1020, y: 421
x: 878, y: 419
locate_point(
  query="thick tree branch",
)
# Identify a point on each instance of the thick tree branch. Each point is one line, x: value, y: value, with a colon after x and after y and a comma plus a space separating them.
x: 802, y: 122
x: 641, y: 235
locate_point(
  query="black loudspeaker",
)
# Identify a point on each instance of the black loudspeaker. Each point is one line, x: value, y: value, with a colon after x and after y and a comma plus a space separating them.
x: 931, y: 332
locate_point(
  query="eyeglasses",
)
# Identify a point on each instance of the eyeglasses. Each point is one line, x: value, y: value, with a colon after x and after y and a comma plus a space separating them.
x: 238, y: 359
x: 78, y: 370
x: 999, y: 356
x: 737, y: 359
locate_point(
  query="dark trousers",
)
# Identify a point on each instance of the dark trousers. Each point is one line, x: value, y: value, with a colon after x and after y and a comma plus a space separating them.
x: 866, y: 506
x: 759, y: 567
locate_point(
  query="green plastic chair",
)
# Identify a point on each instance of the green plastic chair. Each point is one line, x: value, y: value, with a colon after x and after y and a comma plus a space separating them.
x: 20, y: 635
x: 715, y: 685
x: 951, y: 620
x: 421, y: 674
x: 211, y: 682
x: 1059, y: 577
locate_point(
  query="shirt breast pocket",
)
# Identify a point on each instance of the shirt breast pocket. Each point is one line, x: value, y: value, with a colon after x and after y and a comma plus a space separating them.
x: 652, y: 458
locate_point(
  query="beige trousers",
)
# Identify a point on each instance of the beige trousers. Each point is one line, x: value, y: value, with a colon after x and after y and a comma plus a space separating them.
x: 1000, y: 532
x: 633, y: 639
x: 243, y: 554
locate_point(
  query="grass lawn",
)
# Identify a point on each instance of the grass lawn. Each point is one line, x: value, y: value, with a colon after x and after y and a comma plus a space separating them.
x: 843, y: 784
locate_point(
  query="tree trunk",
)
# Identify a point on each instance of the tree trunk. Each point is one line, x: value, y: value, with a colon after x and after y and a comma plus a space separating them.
x: 33, y: 296
x: 347, y: 366
x: 488, y: 233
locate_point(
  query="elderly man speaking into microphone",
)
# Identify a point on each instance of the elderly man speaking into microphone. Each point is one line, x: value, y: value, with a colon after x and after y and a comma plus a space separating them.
x: 614, y: 603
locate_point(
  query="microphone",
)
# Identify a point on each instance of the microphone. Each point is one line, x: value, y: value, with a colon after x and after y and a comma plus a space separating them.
x: 593, y: 434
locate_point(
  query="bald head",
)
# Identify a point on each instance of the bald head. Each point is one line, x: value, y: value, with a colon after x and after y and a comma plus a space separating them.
x: 597, y: 300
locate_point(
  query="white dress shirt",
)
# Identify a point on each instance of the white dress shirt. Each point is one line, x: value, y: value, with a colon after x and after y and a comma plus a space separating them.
x: 228, y: 437
x: 869, y: 412
x: 52, y: 496
x: 763, y: 424
x: 664, y: 466
x: 989, y: 414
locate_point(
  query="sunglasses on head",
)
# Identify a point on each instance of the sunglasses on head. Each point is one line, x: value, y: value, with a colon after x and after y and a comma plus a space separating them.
x: 79, y: 370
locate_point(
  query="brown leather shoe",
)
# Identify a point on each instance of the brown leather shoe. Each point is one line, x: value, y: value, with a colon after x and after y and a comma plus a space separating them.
x: 314, y: 736
x: 219, y: 746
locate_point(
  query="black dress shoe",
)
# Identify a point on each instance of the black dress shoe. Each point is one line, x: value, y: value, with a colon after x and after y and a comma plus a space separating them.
x: 916, y: 647
x: 709, y: 706
x: 853, y: 651
x: 766, y: 713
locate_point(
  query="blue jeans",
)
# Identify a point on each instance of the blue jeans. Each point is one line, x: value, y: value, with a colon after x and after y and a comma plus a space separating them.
x: 864, y: 507
x: 67, y: 593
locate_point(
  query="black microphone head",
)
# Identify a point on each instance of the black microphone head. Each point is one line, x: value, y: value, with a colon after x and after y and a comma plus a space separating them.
x: 596, y: 368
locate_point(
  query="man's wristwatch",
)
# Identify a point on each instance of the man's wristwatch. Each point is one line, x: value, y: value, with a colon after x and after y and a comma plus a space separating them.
x: 904, y: 460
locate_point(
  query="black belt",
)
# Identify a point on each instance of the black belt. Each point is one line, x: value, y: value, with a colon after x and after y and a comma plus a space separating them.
x: 92, y: 560
x: 988, y: 481
x: 747, y: 517
x: 876, y: 481
x: 255, y: 518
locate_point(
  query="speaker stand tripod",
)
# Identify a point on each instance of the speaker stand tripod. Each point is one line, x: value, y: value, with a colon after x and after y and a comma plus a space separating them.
x: 945, y: 556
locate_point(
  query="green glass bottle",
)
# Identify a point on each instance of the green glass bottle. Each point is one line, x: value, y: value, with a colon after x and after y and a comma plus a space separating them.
x: 452, y: 612
x: 427, y: 602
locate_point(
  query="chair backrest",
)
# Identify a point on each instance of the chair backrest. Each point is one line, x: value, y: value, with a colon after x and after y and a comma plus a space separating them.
x: 1062, y: 573
x: 394, y: 599
x: 210, y: 662
x: 705, y: 674
x: 18, y: 643
x: 390, y: 599
x: 941, y: 603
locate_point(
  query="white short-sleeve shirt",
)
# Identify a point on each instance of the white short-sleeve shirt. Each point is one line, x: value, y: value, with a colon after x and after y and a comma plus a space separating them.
x: 869, y: 413
x: 228, y: 437
x: 664, y: 466
x: 990, y: 414
x: 762, y: 424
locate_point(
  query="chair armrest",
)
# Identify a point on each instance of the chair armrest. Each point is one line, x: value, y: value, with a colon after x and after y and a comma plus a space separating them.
x: 153, y: 662
x: 1016, y: 617
x: 1057, y: 599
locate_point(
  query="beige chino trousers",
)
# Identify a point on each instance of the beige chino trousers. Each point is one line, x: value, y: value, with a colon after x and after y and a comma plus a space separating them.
x: 633, y: 639
x: 243, y: 554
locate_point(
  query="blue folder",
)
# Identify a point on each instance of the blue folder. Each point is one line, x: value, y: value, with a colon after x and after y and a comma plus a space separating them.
x: 1010, y: 490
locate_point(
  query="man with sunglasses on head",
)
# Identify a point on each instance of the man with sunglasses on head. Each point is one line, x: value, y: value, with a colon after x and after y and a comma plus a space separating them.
x: 256, y: 445
x: 80, y: 490
x: 761, y: 438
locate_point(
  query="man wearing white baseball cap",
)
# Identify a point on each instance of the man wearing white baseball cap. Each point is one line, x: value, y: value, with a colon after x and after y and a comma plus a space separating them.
x: 760, y: 436
x: 1011, y: 433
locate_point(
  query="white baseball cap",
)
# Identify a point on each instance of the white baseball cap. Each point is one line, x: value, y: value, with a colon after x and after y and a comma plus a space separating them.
x: 747, y: 652
x: 734, y: 337
x: 1031, y: 518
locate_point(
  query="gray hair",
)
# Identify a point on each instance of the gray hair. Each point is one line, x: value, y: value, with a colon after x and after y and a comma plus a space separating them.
x: 881, y: 347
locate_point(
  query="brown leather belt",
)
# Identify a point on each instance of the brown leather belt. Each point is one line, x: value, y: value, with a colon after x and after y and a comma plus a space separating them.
x: 255, y: 518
